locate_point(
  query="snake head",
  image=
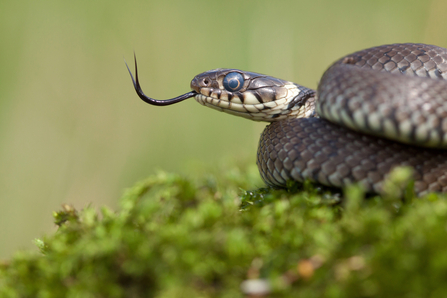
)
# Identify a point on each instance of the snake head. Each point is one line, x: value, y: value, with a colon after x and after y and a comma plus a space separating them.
x: 247, y: 94
x: 251, y: 95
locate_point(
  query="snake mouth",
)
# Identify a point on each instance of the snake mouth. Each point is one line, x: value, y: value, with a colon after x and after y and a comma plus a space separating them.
x: 153, y: 101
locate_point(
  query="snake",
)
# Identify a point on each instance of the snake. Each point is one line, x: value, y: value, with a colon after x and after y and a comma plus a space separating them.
x: 373, y: 111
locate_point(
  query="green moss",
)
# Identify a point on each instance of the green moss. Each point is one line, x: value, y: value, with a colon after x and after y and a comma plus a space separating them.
x: 175, y: 237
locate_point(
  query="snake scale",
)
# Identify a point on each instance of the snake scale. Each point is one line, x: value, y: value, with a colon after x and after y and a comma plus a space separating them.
x: 373, y: 110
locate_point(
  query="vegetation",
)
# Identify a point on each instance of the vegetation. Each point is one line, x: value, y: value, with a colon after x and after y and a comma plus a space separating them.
x: 175, y: 237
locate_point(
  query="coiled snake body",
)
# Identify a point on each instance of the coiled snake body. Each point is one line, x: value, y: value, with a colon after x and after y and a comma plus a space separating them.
x: 374, y: 110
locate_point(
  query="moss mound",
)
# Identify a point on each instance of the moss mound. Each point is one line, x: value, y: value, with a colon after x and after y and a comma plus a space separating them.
x: 175, y: 237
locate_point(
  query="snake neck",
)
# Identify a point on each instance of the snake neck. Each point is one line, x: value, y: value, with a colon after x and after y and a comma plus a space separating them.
x: 302, y: 105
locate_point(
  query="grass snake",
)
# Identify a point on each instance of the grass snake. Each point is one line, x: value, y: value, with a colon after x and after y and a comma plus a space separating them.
x: 373, y: 110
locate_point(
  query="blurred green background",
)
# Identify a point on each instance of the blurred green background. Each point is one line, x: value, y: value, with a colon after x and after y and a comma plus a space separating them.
x: 72, y: 129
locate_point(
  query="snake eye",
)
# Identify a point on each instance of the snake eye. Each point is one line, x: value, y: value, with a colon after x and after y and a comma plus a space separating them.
x: 233, y: 81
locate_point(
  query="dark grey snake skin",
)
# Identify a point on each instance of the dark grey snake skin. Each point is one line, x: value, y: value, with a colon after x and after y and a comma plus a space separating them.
x: 315, y: 149
x: 311, y: 148
x: 374, y: 110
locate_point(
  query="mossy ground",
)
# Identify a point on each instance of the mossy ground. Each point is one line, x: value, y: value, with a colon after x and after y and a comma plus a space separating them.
x: 178, y: 237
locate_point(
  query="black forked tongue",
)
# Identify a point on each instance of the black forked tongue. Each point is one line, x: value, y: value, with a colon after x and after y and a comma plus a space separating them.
x: 152, y: 101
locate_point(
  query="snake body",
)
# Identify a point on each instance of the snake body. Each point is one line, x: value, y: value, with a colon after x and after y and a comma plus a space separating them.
x: 374, y: 110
